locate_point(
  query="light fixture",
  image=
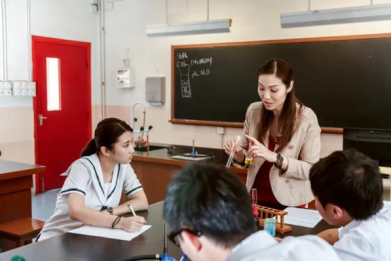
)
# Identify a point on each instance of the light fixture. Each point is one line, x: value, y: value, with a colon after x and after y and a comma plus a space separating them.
x: 199, y: 27
x: 337, y: 16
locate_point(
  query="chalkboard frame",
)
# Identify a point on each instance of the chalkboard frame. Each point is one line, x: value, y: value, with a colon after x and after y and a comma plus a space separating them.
x: 264, y: 42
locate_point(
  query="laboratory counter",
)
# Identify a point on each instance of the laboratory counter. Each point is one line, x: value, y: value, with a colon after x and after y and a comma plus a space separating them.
x: 156, y: 168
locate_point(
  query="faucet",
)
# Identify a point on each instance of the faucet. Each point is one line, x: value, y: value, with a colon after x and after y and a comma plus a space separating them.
x: 133, y: 121
x: 132, y: 118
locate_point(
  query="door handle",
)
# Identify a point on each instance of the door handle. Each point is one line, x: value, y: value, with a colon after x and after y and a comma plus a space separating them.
x: 41, y: 118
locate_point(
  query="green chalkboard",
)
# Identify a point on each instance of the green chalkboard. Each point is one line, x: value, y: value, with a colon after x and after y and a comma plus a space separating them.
x: 345, y: 80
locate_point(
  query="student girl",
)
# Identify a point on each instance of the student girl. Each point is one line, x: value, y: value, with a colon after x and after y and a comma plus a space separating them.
x: 95, y: 183
x: 282, y: 136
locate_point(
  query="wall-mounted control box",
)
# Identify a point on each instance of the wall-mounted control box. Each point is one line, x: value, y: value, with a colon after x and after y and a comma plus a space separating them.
x: 125, y: 78
x: 155, y: 89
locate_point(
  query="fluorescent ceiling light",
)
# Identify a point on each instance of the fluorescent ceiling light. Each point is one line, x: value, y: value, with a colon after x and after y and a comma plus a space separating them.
x: 202, y: 27
x: 337, y: 16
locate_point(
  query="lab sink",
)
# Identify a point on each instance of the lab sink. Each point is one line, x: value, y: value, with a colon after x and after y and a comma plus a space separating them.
x: 151, y: 147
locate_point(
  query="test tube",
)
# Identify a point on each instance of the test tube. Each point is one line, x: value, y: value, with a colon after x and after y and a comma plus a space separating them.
x: 249, y: 160
x: 270, y: 226
x: 254, y: 196
x: 231, y: 155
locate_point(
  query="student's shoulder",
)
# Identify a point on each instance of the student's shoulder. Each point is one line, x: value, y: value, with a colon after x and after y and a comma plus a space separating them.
x: 85, y: 163
x: 78, y: 170
x: 367, y: 231
x: 380, y: 220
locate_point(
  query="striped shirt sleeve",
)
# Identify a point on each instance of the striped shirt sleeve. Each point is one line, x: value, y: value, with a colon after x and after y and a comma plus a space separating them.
x: 77, y: 180
x: 131, y: 183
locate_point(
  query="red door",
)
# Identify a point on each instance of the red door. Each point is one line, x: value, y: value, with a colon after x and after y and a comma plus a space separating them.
x: 62, y: 107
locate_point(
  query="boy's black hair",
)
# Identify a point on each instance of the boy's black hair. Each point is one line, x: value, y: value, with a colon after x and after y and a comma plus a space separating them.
x: 210, y: 199
x: 350, y: 180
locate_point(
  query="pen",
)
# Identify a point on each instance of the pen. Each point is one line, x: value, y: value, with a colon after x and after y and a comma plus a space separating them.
x: 132, y: 210
x: 165, y: 246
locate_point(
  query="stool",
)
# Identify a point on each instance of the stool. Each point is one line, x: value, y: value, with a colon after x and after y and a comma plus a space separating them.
x: 21, y: 231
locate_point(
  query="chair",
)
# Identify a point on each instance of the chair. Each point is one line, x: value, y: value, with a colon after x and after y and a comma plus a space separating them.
x: 21, y: 231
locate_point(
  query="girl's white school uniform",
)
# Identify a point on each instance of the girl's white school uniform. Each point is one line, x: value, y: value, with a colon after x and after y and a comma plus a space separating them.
x: 85, y: 178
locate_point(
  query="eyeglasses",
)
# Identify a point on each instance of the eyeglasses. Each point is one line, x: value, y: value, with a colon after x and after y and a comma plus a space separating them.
x: 173, y: 235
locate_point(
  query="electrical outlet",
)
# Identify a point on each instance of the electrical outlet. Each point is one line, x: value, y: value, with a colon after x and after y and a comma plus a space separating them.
x: 17, y: 88
x: 220, y: 130
x: 31, y: 87
x: 5, y: 89
x: 7, y: 92
x: 24, y: 88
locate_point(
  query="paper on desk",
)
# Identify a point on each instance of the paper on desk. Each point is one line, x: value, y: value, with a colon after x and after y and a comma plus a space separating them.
x: 108, y: 232
x: 302, y: 217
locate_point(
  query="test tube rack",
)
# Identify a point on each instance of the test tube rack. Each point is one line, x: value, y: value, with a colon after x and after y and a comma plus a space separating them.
x: 278, y: 215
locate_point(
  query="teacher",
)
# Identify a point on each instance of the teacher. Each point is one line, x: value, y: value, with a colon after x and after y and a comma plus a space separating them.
x: 282, y: 136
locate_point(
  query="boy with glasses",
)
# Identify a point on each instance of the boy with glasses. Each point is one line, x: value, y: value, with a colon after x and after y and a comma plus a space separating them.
x: 210, y: 212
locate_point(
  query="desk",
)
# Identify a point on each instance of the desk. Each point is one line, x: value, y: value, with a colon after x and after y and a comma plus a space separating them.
x: 78, y: 247
x: 15, y: 189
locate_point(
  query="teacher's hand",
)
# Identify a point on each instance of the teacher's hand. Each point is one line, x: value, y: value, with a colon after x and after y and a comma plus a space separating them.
x: 258, y: 150
x: 239, y: 153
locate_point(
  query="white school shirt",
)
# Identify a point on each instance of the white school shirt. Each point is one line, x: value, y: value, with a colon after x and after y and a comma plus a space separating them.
x: 260, y: 246
x: 85, y: 178
x: 367, y: 240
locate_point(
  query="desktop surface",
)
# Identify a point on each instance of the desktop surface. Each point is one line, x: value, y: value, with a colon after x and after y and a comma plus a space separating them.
x: 82, y: 248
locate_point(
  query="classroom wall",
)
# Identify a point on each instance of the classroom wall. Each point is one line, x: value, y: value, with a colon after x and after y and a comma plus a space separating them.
x: 69, y: 20
x: 125, y: 27
x: 252, y: 20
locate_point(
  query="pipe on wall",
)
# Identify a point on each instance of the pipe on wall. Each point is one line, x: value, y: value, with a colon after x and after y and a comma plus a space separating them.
x: 29, y: 51
x: 102, y: 33
x: 4, y: 36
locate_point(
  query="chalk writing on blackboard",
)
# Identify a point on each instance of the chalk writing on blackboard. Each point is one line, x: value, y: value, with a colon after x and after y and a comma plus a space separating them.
x: 183, y: 65
x: 186, y: 72
x: 185, y: 82
x: 201, y: 72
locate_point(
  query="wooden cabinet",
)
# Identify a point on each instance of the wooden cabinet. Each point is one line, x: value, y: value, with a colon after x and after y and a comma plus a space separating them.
x: 15, y: 189
x: 155, y: 171
x: 155, y: 178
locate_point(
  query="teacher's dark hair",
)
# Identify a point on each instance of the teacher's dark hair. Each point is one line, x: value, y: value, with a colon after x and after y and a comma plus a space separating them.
x: 350, y: 180
x: 282, y: 70
x: 106, y: 135
x: 210, y: 199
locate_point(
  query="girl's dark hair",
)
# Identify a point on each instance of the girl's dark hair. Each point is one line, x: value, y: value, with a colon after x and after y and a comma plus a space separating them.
x: 287, y: 120
x: 106, y: 135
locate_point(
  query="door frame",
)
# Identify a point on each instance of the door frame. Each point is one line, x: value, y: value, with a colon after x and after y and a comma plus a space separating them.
x: 40, y: 39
